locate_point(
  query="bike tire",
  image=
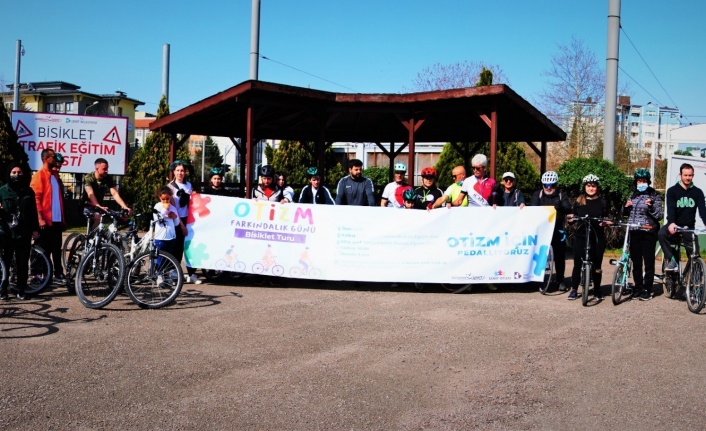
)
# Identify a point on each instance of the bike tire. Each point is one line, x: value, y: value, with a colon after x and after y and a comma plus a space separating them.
x: 696, y: 286
x: 277, y: 270
x: 149, y: 279
x: 97, y: 288
x: 258, y: 268
x: 620, y: 281
x: 586, y: 284
x: 66, y: 247
x: 295, y: 271
x: 314, y: 273
x: 455, y: 288
x: 4, y: 274
x: 40, y: 271
x: 78, y: 248
x: 239, y: 266
x: 221, y: 264
x: 549, y: 274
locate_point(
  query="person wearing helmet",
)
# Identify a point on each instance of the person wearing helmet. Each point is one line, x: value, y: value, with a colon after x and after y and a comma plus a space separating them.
x: 682, y: 200
x: 354, y: 188
x: 268, y: 190
x: 409, y: 197
x: 589, y: 203
x: 644, y: 207
x: 181, y: 198
x: 508, y: 195
x: 215, y: 182
x: 549, y: 195
x: 428, y: 193
x: 392, y: 194
x: 478, y: 188
x: 314, y: 192
x: 458, y: 174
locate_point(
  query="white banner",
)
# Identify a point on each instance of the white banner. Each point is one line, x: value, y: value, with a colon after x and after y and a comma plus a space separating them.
x: 81, y: 139
x: 326, y: 242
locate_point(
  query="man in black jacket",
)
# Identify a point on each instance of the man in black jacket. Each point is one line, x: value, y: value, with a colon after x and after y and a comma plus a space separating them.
x: 355, y: 189
x: 550, y: 196
x: 682, y: 201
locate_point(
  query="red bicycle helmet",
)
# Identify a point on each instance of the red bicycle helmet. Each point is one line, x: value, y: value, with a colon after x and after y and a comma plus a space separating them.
x: 429, y: 172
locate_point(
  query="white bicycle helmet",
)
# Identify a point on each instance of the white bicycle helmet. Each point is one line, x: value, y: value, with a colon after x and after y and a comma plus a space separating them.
x: 590, y: 178
x: 550, y: 177
x: 400, y: 167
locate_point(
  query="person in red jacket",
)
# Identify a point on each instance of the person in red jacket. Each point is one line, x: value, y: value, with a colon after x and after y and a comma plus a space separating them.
x: 49, y: 197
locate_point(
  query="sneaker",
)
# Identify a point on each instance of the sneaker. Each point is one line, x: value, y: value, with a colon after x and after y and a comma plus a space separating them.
x: 598, y: 294
x: 21, y: 295
x: 572, y: 295
x: 59, y: 280
x: 646, y: 295
x: 193, y: 278
x: 563, y: 287
x: 672, y: 266
x: 4, y: 296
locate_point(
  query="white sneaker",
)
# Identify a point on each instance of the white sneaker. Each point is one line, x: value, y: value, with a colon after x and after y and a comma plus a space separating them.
x: 160, y: 280
x: 193, y: 279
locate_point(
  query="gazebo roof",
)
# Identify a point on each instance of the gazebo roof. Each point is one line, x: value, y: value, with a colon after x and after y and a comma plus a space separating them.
x: 295, y: 113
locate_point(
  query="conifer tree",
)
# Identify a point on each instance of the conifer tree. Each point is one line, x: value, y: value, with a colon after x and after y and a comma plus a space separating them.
x: 10, y: 149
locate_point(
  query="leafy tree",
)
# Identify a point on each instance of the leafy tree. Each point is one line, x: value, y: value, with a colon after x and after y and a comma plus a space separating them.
x: 212, y: 158
x: 660, y: 175
x: 449, y: 158
x: 457, y: 75
x: 615, y: 185
x: 682, y: 153
x: 10, y: 149
x: 378, y: 175
x: 623, y: 154
x: 149, y: 169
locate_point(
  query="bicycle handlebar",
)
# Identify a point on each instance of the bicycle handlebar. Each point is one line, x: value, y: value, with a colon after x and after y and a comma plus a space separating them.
x: 637, y: 225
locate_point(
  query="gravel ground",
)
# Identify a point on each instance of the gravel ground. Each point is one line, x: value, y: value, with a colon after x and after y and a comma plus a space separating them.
x: 324, y: 356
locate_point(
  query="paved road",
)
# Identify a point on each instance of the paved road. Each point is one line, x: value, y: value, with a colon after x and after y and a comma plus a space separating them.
x: 317, y: 355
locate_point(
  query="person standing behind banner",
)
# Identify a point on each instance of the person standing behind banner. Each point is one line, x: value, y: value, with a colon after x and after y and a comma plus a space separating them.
x: 458, y: 174
x: 287, y: 191
x: 355, y: 189
x: 314, y: 192
x: 215, y: 183
x: 49, y: 200
x: 18, y: 212
x: 181, y: 197
x: 268, y: 190
x: 392, y: 194
x: 508, y: 195
x: 478, y: 188
x: 428, y: 193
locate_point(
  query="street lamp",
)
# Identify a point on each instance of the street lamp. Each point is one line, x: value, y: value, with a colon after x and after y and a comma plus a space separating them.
x: 85, y: 112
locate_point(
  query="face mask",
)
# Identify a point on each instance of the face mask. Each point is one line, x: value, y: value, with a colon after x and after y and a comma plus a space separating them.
x: 641, y: 187
x: 15, y: 178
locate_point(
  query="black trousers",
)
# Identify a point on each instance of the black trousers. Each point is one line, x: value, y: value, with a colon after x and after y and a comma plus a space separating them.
x: 642, y: 251
x: 50, y: 240
x: 19, y: 248
x: 665, y: 239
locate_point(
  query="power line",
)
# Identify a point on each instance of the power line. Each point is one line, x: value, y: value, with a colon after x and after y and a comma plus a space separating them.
x: 638, y: 84
x: 305, y: 72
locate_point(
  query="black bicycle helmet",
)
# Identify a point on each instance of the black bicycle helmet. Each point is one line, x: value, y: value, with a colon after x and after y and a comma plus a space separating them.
x: 267, y: 171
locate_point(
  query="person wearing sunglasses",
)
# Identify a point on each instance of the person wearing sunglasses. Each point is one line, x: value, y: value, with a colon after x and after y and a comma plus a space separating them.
x: 458, y: 174
x: 508, y: 193
x: 215, y: 182
x: 548, y: 195
x: 478, y: 188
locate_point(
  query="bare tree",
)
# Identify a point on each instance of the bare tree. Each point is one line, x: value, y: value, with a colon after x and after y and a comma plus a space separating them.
x: 457, y: 75
x: 574, y: 96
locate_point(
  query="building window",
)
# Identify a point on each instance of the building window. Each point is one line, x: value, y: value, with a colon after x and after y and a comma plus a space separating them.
x: 69, y: 107
x: 120, y: 111
x: 49, y: 107
x: 59, y: 108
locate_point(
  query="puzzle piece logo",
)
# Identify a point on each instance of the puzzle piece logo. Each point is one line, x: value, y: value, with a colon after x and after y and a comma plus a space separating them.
x: 499, y: 273
x: 198, y: 206
x: 195, y: 255
x: 540, y: 260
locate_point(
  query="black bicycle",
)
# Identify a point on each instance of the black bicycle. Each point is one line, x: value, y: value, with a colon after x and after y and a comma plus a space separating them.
x: 586, y: 263
x: 692, y: 278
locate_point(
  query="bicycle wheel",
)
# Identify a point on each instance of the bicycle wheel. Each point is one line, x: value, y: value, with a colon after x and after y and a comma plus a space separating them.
x: 549, y: 275
x: 239, y: 266
x: 586, y: 283
x: 296, y: 271
x: 221, y: 264
x: 696, y: 286
x: 4, y: 274
x: 258, y: 268
x: 73, y: 257
x: 620, y: 283
x: 455, y: 288
x: 39, y: 271
x: 670, y: 285
x: 99, y: 276
x: 66, y: 247
x: 314, y: 273
x: 277, y: 270
x: 150, y: 281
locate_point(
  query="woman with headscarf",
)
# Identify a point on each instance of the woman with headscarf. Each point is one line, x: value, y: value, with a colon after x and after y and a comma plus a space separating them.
x: 20, y: 224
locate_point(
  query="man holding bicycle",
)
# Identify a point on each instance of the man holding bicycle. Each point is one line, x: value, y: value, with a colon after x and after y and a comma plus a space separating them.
x: 682, y: 201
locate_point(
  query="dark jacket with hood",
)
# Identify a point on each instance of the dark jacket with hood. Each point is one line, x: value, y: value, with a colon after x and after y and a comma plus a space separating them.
x: 641, y: 213
x: 18, y: 204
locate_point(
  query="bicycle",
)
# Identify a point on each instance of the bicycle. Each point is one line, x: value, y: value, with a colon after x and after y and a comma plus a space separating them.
x: 100, y: 270
x: 549, y: 273
x: 692, y: 278
x: 300, y: 271
x: 154, y: 277
x: 621, y: 286
x: 40, y: 271
x: 586, y: 262
x: 259, y: 267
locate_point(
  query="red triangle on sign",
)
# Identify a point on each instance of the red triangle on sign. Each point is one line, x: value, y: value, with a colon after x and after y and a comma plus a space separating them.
x: 113, y: 136
x: 22, y: 130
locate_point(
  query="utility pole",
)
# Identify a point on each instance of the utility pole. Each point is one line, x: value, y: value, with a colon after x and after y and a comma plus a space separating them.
x: 16, y: 89
x: 255, y: 40
x: 611, y: 80
x: 165, y: 71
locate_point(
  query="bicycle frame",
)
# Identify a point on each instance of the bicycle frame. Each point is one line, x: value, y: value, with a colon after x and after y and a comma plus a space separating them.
x: 620, y: 284
x: 587, y: 264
